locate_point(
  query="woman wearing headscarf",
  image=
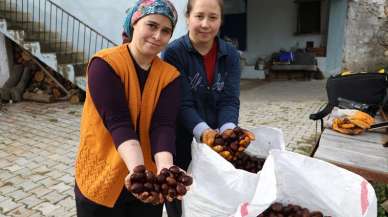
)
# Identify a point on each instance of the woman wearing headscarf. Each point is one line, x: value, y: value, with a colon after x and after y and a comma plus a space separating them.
x: 128, y: 119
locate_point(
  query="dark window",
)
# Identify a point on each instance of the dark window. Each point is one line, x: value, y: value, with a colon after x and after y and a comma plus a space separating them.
x: 234, y: 27
x: 309, y: 17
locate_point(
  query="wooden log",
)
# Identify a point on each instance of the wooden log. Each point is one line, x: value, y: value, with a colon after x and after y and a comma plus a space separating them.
x: 17, y: 91
x: 41, y: 97
x: 39, y: 76
x: 14, y: 76
x: 12, y: 81
x: 56, y: 92
x: 48, y: 73
x: 25, y: 56
x: 75, y: 96
x: 48, y: 81
x: 74, y: 99
x: 5, y: 94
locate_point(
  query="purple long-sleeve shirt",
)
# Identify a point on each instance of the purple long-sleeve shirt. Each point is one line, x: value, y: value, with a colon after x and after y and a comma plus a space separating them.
x: 108, y: 96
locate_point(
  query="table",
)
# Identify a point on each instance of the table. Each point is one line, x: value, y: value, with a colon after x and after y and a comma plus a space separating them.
x: 362, y: 154
x: 290, y: 69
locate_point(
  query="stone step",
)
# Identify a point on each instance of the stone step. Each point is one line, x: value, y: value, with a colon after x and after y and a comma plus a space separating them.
x: 41, y: 36
x: 29, y: 26
x: 70, y: 57
x: 46, y: 45
x: 56, y: 46
x: 14, y: 15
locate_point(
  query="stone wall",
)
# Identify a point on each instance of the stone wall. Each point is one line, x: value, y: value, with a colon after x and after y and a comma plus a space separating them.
x: 362, y: 50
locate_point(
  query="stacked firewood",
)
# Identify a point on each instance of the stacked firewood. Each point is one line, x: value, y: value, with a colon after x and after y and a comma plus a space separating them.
x: 47, y: 86
x: 31, y: 80
x: 19, y: 79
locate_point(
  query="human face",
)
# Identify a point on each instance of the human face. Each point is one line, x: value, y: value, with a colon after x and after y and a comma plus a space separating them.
x: 204, y: 21
x: 151, y: 34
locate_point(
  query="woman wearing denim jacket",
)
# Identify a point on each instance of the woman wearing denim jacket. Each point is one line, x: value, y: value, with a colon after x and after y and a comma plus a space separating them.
x: 210, y: 81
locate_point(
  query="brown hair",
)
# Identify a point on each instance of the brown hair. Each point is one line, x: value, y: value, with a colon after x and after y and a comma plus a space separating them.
x: 190, y: 3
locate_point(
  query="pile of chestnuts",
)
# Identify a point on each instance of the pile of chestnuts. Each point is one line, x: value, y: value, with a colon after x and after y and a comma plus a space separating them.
x: 168, y: 185
x: 290, y: 210
x: 248, y: 163
x: 231, y: 143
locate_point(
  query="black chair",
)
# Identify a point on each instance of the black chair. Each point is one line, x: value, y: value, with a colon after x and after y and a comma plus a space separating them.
x: 361, y: 88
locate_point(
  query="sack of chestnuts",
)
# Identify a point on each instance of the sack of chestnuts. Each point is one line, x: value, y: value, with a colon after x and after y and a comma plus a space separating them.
x: 290, y: 210
x: 248, y: 163
x: 168, y: 185
x: 231, y: 143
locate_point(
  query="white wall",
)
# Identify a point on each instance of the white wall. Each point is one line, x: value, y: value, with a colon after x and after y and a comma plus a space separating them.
x: 271, y: 25
x: 181, y: 27
x: 4, y: 66
x: 107, y: 16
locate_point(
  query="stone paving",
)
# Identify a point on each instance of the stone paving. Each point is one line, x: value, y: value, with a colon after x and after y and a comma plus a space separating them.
x: 38, y: 142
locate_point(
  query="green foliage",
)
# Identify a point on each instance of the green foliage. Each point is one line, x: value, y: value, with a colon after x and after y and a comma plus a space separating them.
x: 382, y: 195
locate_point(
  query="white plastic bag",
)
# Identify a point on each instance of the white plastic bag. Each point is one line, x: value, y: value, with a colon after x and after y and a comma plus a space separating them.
x: 288, y: 177
x: 218, y: 188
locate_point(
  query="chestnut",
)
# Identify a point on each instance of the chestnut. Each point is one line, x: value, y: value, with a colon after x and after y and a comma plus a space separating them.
x: 187, y: 180
x: 148, y: 187
x: 139, y: 169
x: 136, y: 188
x: 175, y: 170
x: 138, y: 177
x: 181, y: 189
x: 171, y: 181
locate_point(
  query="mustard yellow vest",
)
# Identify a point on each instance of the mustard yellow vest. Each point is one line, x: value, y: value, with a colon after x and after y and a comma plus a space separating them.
x: 100, y: 171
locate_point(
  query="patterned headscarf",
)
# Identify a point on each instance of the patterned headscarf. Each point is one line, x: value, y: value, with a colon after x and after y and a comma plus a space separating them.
x: 143, y: 8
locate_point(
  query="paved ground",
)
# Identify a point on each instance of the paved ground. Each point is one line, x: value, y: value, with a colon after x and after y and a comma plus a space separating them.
x: 38, y: 142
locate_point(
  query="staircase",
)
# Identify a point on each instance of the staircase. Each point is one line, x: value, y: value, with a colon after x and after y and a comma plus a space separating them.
x: 52, y: 35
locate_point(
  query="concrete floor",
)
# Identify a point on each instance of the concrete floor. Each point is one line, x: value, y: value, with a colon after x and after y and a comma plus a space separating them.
x: 38, y: 142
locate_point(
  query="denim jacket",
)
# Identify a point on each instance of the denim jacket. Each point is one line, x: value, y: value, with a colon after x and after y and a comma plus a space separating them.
x: 204, y: 106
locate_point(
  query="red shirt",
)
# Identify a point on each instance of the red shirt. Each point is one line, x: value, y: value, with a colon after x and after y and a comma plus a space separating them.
x: 209, y: 60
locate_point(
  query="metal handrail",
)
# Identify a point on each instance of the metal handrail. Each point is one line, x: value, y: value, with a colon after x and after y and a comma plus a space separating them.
x: 61, y: 30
